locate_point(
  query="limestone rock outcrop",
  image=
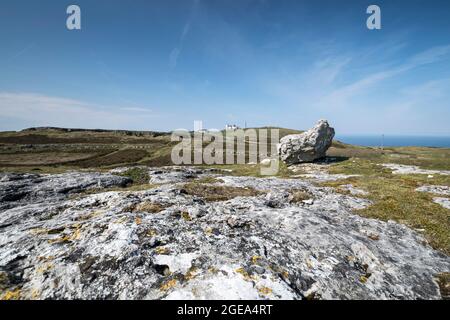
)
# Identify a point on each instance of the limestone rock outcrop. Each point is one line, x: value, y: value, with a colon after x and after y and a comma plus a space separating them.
x: 164, y: 243
x: 307, y: 146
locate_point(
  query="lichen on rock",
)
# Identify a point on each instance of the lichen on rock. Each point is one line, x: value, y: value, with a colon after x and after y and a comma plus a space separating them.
x: 258, y: 245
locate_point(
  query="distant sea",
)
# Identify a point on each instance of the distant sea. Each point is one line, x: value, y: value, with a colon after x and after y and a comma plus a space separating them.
x: 396, y: 141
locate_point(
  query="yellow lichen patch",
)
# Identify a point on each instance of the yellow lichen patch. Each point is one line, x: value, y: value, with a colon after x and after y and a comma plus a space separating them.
x: 161, y: 250
x: 208, y: 231
x: 76, y: 235
x: 11, y: 295
x: 97, y: 213
x: 363, y: 279
x: 76, y: 225
x: 46, y: 258
x: 191, y: 274
x: 350, y: 258
x: 38, y: 231
x: 90, y: 215
x: 186, y: 216
x: 255, y: 259
x: 213, y: 270
x: 168, y: 285
x: 241, y: 270
x: 59, y: 240
x: 245, y: 274
x: 35, y: 294
x: 121, y: 220
x: 44, y: 267
x: 264, y: 291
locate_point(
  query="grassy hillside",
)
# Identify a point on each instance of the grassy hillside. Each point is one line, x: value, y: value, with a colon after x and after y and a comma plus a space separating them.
x: 50, y: 149
x: 394, y: 197
x: 56, y: 148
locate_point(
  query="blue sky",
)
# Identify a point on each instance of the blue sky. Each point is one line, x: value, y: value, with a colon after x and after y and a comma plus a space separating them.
x: 160, y: 65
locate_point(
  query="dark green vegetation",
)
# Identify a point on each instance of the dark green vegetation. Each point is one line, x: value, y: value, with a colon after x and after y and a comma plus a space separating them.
x: 53, y: 150
x: 50, y: 150
x: 137, y: 174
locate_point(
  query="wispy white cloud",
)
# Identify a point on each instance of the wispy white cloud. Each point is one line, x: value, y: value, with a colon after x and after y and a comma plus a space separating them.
x: 360, y: 92
x: 41, y: 110
x: 175, y: 53
x: 417, y: 109
x: 137, y: 109
x: 22, y: 51
x: 327, y: 70
x: 340, y: 95
x: 431, y: 55
x: 173, y: 57
x: 430, y: 89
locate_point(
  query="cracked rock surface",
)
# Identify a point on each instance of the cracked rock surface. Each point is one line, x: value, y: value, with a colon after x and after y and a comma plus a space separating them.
x: 164, y: 243
x: 33, y: 188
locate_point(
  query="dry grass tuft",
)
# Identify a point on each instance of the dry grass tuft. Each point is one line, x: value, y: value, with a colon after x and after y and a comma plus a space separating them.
x: 443, y: 279
x: 146, y: 206
x: 218, y: 193
x: 300, y: 195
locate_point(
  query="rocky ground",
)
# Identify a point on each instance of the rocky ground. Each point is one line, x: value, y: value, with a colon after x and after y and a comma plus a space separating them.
x: 408, y: 169
x: 284, y: 239
x: 439, y: 190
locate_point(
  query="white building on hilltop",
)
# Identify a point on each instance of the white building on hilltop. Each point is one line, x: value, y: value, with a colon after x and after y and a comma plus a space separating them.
x: 231, y: 127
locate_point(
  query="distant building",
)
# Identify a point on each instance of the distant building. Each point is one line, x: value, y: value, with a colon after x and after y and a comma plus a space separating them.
x: 231, y: 127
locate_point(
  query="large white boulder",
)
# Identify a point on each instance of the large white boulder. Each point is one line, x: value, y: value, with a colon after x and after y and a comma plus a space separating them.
x: 307, y: 146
